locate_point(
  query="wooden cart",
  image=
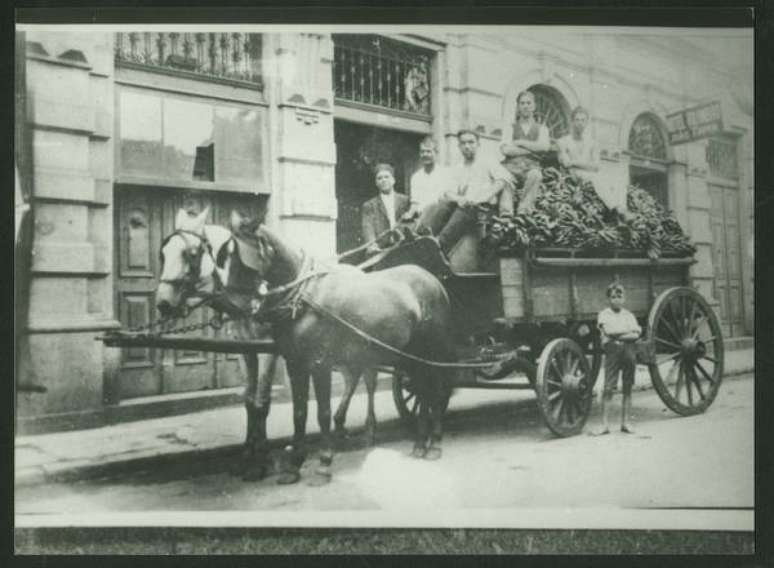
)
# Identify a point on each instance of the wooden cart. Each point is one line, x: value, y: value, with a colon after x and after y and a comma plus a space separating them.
x: 535, y: 316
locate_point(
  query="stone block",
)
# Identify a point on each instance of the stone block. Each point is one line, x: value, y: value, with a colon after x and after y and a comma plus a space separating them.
x: 63, y: 257
x: 63, y: 150
x: 102, y: 105
x: 306, y: 134
x: 59, y: 183
x: 55, y: 297
x: 703, y: 267
x: 698, y: 194
x: 101, y: 158
x: 698, y: 227
x: 317, y: 237
x: 60, y: 222
x: 308, y: 190
x: 69, y: 365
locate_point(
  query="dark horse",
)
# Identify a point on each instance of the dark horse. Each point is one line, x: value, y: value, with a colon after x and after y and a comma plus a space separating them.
x: 340, y: 316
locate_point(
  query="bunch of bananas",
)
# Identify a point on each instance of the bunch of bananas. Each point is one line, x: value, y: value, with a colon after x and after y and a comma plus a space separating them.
x: 569, y: 214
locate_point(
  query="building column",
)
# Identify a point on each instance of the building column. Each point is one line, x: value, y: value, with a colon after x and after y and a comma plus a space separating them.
x: 69, y: 94
x: 305, y: 155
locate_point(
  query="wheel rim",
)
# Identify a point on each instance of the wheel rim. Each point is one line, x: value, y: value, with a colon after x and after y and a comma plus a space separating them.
x: 586, y: 335
x: 689, y: 351
x: 564, y: 387
x: 405, y: 397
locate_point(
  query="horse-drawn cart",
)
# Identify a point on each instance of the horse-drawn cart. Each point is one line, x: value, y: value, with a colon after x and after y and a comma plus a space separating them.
x: 535, y: 315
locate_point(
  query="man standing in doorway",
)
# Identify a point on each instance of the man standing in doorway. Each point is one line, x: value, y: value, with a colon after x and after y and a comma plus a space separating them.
x: 383, y: 211
x: 476, y: 183
x: 521, y: 157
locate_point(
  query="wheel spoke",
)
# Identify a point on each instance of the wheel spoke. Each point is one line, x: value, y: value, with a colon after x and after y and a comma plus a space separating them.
x: 553, y: 396
x: 688, y: 386
x: 555, y: 383
x: 673, y: 357
x: 695, y: 379
x: 555, y: 367
x: 668, y: 343
x: 679, y: 383
x: 574, y: 366
x: 708, y: 358
x: 557, y: 411
x: 701, y: 322
x: 705, y: 373
x: 670, y: 329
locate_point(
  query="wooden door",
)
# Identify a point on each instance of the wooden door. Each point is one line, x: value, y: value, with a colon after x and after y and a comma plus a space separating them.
x: 726, y: 256
x: 144, y: 216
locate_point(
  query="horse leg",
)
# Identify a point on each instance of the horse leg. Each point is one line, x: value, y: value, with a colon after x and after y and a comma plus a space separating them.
x: 295, y: 454
x: 423, y: 418
x: 434, y: 450
x: 321, y: 379
x: 351, y: 379
x: 257, y: 404
x: 369, y: 376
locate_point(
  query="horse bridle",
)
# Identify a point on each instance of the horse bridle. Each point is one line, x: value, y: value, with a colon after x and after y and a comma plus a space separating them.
x: 194, y: 260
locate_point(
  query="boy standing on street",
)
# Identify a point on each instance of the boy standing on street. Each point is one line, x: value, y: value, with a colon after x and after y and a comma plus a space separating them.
x: 619, y: 329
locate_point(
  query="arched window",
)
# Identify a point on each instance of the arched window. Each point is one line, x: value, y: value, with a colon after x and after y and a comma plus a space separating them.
x: 648, y: 164
x: 551, y: 109
x: 646, y: 138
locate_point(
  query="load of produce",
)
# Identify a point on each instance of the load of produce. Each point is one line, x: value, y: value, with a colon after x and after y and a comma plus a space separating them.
x: 569, y: 214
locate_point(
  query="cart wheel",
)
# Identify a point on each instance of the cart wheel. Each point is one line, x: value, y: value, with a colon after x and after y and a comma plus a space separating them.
x: 406, y: 399
x: 689, y: 351
x: 586, y: 335
x: 563, y: 386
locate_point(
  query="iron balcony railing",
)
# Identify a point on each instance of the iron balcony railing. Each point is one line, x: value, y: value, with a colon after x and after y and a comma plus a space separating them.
x: 373, y: 70
x: 233, y: 56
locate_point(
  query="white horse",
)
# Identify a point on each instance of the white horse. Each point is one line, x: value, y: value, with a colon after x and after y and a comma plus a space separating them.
x: 195, y: 263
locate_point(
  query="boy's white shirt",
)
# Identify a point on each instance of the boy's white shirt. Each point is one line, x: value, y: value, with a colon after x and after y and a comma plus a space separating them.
x: 622, y: 321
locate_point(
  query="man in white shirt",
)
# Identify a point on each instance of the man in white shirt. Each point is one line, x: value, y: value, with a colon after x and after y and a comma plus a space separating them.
x: 476, y: 183
x: 430, y: 181
x: 383, y: 211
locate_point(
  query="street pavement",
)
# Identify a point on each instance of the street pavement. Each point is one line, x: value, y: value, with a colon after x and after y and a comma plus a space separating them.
x: 122, y: 447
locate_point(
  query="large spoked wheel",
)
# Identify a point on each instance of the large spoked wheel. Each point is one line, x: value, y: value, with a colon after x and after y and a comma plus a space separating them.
x: 586, y: 335
x: 689, y: 351
x: 563, y: 386
x: 405, y: 397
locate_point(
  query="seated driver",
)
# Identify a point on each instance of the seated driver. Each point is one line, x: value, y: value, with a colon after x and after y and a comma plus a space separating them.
x: 475, y: 183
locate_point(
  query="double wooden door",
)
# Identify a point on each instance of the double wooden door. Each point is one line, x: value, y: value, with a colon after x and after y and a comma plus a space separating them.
x: 727, y: 257
x: 144, y: 216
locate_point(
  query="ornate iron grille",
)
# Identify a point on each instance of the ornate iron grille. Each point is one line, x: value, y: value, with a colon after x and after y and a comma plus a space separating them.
x: 551, y: 111
x: 373, y: 70
x: 722, y: 158
x: 232, y: 56
x: 646, y: 138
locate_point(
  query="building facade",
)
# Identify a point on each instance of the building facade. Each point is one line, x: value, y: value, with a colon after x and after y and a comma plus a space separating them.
x: 117, y: 131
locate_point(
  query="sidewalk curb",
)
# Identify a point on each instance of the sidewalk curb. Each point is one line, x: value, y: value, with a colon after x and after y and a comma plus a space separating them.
x: 39, y: 474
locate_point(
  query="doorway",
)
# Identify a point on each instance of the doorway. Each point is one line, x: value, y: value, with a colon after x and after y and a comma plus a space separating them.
x: 144, y: 216
x: 358, y: 149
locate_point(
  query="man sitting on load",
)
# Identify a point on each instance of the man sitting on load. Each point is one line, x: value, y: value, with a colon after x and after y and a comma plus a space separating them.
x: 521, y: 158
x: 578, y: 153
x: 477, y: 184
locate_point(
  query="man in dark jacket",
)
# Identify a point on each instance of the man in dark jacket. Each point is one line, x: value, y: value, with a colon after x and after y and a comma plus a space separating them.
x: 384, y: 211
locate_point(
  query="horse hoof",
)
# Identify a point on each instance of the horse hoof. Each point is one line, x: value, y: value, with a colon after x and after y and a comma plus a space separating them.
x: 418, y: 452
x: 288, y: 478
x: 326, y: 459
x: 322, y: 476
x: 433, y: 454
x: 256, y: 473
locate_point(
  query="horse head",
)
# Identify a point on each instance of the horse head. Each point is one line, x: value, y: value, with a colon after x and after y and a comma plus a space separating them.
x: 188, y: 263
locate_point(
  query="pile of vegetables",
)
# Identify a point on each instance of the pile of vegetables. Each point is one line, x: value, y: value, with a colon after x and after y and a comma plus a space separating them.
x: 569, y: 214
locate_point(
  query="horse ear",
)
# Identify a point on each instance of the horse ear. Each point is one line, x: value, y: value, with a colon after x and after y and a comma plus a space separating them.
x: 236, y: 220
x: 201, y: 219
x: 181, y: 219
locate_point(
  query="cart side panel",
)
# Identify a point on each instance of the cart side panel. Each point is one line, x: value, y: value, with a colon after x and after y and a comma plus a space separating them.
x: 563, y: 292
x: 512, y: 287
